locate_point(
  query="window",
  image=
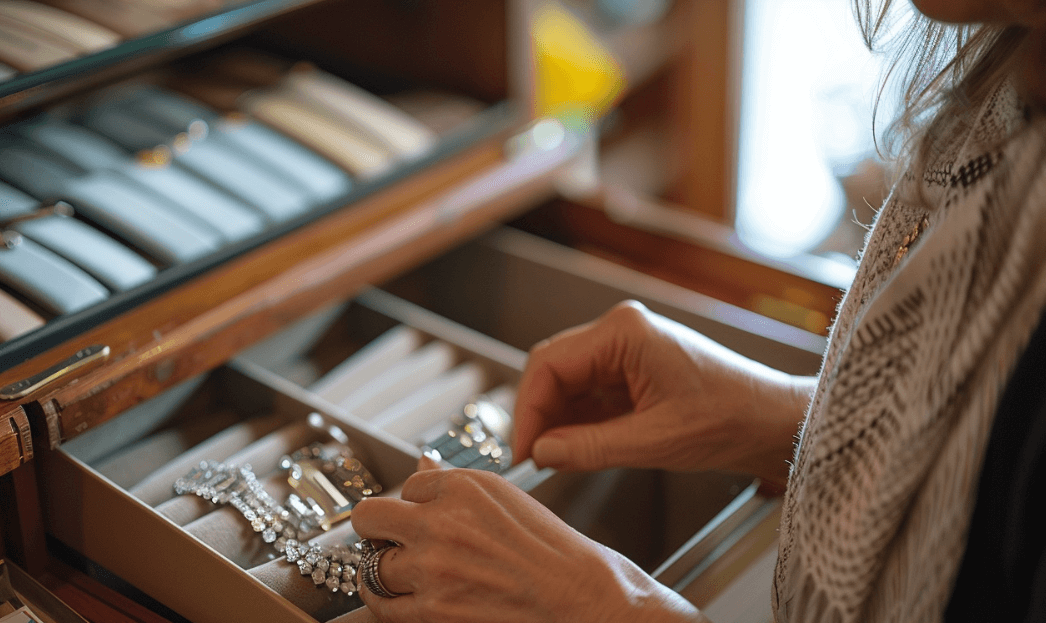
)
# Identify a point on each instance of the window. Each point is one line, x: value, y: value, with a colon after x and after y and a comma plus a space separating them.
x: 808, y: 88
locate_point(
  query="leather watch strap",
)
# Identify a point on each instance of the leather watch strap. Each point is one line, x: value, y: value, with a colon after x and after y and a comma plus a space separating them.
x: 192, y: 197
x: 363, y: 158
x: 218, y: 164
x: 51, y: 282
x: 372, y: 116
x: 112, y: 203
x: 108, y: 261
x: 277, y: 153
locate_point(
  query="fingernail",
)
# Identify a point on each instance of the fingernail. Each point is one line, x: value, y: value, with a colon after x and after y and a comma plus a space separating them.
x: 550, y: 452
x: 429, y: 460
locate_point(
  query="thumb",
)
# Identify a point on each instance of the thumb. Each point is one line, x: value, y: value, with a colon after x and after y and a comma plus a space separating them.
x: 584, y: 447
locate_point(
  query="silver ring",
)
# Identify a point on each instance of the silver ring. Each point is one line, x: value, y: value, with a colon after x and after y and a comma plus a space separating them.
x: 368, y: 569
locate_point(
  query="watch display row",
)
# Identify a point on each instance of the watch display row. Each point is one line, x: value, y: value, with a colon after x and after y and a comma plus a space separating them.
x: 100, y: 196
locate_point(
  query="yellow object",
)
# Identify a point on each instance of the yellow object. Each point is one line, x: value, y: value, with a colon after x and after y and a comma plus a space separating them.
x: 577, y: 78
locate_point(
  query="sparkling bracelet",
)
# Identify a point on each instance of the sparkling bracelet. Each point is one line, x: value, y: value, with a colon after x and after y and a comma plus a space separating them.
x: 327, y: 484
x: 475, y: 438
x: 330, y: 482
x: 331, y: 567
x: 223, y: 483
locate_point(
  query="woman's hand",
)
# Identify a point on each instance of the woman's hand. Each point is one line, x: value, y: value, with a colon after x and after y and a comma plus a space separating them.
x: 473, y: 547
x: 638, y: 390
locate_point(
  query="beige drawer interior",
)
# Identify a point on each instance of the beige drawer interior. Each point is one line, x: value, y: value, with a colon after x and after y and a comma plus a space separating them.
x: 391, y: 367
x: 520, y: 289
x: 645, y: 514
x: 109, y: 495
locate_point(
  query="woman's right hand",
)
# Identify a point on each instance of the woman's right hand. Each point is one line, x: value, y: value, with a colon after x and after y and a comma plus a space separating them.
x: 634, y: 389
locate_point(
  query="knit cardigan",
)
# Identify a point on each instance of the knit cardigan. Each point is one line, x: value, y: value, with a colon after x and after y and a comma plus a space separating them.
x: 885, y: 475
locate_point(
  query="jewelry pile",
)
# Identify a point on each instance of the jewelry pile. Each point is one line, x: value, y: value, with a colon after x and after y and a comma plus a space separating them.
x: 327, y: 484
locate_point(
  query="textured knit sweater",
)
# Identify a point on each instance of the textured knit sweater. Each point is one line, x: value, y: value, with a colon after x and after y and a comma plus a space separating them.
x: 885, y: 475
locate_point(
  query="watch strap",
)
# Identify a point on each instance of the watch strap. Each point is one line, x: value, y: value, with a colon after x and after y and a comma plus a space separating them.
x: 108, y: 261
x: 48, y: 280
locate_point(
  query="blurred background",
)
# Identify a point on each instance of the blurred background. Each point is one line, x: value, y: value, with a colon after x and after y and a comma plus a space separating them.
x: 744, y: 126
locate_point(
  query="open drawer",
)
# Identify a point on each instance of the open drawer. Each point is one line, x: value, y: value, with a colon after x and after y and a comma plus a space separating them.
x: 391, y: 373
x: 714, y: 536
x: 494, y: 298
x: 426, y: 368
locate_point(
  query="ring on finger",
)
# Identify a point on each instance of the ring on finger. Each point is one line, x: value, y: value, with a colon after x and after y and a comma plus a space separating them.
x: 368, y: 568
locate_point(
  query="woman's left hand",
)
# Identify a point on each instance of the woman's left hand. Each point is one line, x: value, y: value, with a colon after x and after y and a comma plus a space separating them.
x: 474, y: 547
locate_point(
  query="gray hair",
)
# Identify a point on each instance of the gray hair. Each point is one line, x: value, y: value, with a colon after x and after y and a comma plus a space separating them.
x: 939, y: 71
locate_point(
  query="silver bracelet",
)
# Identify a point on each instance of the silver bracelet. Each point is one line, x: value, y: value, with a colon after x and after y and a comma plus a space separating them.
x: 223, y: 483
x: 475, y: 438
x: 327, y: 486
x: 331, y: 567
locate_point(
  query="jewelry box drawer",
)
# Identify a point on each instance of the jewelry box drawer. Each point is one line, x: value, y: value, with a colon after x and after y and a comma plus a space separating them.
x: 645, y: 514
x: 499, y: 295
x: 109, y: 495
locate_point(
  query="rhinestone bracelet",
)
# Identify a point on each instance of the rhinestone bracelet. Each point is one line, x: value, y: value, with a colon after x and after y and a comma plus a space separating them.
x: 331, y: 567
x: 223, y: 483
x: 327, y: 485
x: 473, y: 438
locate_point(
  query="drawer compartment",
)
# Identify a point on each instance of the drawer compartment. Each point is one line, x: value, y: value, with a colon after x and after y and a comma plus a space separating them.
x: 496, y: 297
x: 109, y: 495
x: 396, y: 370
x: 520, y: 289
